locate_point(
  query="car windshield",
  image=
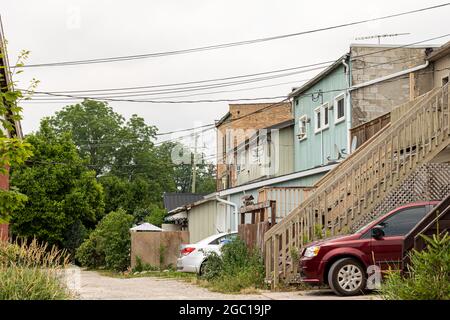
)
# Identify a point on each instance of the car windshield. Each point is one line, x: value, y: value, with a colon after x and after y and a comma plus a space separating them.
x: 362, y: 228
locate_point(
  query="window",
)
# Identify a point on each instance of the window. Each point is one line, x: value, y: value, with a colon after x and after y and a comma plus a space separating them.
x: 339, y: 108
x: 402, y: 222
x: 444, y: 80
x: 321, y: 120
x: 325, y: 111
x: 317, y: 119
x: 302, y: 127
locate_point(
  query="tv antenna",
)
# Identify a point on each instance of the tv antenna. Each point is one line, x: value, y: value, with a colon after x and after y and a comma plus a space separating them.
x: 379, y: 36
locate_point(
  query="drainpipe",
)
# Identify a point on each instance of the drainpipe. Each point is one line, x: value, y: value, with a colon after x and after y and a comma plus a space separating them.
x: 235, y: 210
x: 390, y: 76
x: 348, y: 106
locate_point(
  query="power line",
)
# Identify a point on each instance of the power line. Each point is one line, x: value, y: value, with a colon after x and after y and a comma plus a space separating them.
x: 229, y: 44
x: 64, y: 97
x: 177, y: 90
x: 201, y: 81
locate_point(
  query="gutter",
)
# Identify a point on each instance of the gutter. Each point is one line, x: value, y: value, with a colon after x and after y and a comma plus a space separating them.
x: 390, y: 76
x: 235, y: 210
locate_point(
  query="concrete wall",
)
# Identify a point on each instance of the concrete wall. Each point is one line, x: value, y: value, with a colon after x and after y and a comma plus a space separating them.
x: 146, y: 245
x: 317, y: 146
x: 372, y: 62
x: 441, y: 70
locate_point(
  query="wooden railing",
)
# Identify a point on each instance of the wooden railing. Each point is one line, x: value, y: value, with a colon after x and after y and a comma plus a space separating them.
x: 360, y: 182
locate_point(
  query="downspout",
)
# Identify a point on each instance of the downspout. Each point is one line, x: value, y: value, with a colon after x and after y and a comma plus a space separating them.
x: 390, y: 76
x: 348, y: 106
x: 235, y: 210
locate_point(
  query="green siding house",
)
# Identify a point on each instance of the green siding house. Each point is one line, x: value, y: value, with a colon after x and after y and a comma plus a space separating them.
x: 320, y: 110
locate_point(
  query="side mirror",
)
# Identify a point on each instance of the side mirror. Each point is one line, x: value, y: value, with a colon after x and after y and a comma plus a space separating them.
x: 377, y: 232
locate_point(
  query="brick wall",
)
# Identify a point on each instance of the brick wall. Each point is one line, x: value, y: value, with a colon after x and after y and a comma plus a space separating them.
x: 4, y: 231
x: 4, y: 182
x: 244, y: 128
x: 4, y: 228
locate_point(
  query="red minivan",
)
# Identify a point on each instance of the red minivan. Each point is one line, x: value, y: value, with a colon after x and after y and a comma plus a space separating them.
x: 342, y: 262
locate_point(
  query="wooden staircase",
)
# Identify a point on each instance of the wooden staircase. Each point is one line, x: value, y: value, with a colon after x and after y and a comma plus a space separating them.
x: 418, y: 131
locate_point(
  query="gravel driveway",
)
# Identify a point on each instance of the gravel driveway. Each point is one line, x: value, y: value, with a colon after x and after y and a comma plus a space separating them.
x: 93, y: 285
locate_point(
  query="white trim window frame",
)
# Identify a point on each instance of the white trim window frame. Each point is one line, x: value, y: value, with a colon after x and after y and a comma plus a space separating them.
x: 337, y: 118
x: 325, y: 115
x: 318, y: 119
x: 302, y: 127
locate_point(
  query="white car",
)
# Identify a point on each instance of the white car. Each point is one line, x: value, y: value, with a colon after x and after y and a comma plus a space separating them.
x: 193, y: 256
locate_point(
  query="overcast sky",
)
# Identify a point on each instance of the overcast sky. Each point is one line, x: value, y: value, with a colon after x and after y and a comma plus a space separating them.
x: 58, y: 30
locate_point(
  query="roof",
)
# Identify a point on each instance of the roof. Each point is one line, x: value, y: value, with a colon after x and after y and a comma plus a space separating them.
x: 440, y: 52
x: 282, y: 125
x: 146, y: 227
x: 173, y: 200
x: 256, y: 106
x: 177, y: 216
x: 318, y: 77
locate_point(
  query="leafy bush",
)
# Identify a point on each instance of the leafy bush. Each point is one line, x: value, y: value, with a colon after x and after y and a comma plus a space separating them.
x: 31, y: 271
x: 428, y: 275
x: 109, y: 244
x: 236, y: 269
x: 141, y: 266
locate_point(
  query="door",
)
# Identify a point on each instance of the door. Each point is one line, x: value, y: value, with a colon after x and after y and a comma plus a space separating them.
x: 388, y: 251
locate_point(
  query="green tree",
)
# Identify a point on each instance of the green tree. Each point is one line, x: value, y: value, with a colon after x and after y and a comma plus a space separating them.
x: 96, y: 130
x: 133, y: 171
x: 12, y: 149
x: 109, y: 244
x: 64, y: 196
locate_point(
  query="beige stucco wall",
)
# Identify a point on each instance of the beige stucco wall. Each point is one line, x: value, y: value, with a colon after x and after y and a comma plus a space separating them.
x: 146, y: 245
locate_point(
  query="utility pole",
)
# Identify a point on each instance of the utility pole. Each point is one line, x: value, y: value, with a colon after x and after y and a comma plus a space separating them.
x: 194, y: 163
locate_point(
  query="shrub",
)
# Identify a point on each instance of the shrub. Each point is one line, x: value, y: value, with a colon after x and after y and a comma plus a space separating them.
x: 427, y: 276
x: 31, y: 271
x: 109, y: 244
x: 236, y: 269
x: 141, y: 266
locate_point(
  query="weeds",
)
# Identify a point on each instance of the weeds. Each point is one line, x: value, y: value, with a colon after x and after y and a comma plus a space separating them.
x: 31, y: 271
x: 237, y: 269
x: 427, y: 276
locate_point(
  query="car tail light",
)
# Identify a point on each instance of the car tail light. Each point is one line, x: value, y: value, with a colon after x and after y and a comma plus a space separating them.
x: 186, y: 251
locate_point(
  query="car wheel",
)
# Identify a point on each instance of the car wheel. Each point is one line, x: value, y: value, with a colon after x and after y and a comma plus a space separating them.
x: 203, y: 267
x: 347, y: 277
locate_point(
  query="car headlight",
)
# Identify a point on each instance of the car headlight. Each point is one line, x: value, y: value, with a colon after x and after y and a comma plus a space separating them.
x: 311, y: 251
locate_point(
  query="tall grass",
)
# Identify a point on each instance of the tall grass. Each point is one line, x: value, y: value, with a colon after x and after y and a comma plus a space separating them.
x: 32, y: 271
x: 427, y: 276
x: 236, y: 269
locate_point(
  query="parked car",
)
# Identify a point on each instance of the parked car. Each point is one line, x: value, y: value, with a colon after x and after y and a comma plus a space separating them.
x: 341, y: 262
x: 193, y: 256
